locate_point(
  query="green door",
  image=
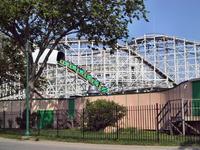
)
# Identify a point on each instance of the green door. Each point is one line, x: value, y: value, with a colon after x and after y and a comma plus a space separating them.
x: 71, y: 108
x: 196, y: 98
x: 46, y: 118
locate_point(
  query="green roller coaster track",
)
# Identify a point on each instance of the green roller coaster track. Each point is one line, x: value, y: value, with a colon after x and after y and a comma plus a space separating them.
x: 85, y: 75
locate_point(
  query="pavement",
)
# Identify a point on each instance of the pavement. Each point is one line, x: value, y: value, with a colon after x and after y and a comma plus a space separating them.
x: 12, y: 144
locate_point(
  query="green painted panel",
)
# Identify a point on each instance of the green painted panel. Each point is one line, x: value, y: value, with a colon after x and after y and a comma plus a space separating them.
x: 196, y: 98
x: 46, y: 118
x: 71, y: 108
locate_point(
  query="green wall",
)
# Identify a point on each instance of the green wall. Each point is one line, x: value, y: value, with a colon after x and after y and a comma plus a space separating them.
x: 196, y: 98
x: 71, y: 108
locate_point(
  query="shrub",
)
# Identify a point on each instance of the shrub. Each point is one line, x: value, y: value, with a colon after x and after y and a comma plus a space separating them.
x: 101, y: 113
x: 21, y: 121
x: 10, y: 123
x: 1, y: 123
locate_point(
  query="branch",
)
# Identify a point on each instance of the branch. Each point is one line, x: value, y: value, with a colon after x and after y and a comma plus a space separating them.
x: 6, y: 33
x: 35, y: 91
x: 49, y: 53
x: 72, y: 32
x: 42, y: 49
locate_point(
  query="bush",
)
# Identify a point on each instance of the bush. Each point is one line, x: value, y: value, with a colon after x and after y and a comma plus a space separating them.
x: 1, y: 123
x: 21, y: 121
x: 10, y: 123
x: 101, y: 113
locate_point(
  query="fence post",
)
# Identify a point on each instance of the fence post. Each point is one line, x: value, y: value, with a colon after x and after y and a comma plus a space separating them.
x: 117, y: 124
x: 183, y: 115
x: 83, y: 124
x: 4, y: 119
x: 57, y: 132
x: 157, y: 123
x: 38, y: 123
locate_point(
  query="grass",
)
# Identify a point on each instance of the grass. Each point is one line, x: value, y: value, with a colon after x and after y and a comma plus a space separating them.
x: 124, y: 136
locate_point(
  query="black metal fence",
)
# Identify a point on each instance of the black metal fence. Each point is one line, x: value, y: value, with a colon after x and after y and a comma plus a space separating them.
x: 176, y: 121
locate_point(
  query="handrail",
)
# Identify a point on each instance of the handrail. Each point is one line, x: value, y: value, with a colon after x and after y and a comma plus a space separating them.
x: 179, y: 112
x: 161, y: 111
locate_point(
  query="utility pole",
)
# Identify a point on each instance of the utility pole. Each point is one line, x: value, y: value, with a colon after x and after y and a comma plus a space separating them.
x: 27, y: 89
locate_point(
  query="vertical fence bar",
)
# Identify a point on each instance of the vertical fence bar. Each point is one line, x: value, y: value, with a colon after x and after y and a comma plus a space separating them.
x: 150, y: 120
x: 129, y: 122
x: 135, y: 121
x: 117, y: 124
x: 83, y: 124
x: 142, y: 117
x: 132, y: 122
x: 140, y: 121
x: 154, y: 120
x: 38, y: 124
x: 183, y: 116
x: 57, y: 127
x: 4, y: 119
x: 157, y: 123
x: 146, y: 122
x: 138, y: 129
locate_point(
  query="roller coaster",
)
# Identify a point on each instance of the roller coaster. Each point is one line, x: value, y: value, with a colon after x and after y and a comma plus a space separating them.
x: 148, y: 63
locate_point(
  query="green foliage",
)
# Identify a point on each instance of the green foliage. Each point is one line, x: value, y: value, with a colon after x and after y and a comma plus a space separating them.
x: 12, y: 65
x: 11, y: 61
x: 44, y: 23
x: 101, y: 113
x: 39, y: 20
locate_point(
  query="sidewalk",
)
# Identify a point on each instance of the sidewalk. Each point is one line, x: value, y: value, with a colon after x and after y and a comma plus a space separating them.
x: 10, y: 144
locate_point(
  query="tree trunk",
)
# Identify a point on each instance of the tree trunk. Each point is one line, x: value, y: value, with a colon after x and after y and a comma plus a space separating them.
x: 31, y: 92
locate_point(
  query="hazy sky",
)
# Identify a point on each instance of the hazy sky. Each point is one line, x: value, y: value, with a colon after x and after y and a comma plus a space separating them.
x: 179, y: 18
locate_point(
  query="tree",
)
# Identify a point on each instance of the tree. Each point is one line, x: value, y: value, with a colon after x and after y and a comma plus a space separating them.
x: 11, y: 61
x: 12, y: 66
x: 45, y: 23
x: 101, y: 113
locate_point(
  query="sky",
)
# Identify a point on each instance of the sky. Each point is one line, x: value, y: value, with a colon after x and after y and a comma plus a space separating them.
x: 180, y: 18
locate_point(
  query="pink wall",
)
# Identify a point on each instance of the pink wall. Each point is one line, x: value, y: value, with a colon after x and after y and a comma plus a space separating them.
x: 183, y: 90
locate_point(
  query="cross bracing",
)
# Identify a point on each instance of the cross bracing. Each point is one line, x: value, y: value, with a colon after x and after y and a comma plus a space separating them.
x: 148, y: 62
x: 178, y: 58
